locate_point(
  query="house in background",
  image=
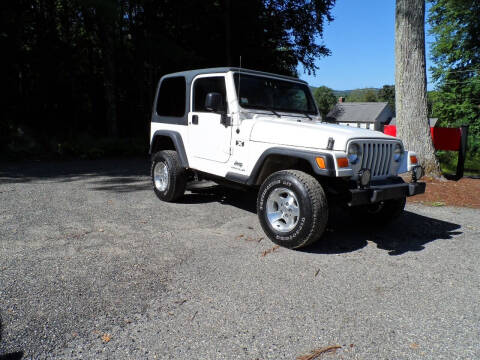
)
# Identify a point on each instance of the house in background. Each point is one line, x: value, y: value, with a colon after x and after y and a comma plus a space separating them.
x: 366, y: 115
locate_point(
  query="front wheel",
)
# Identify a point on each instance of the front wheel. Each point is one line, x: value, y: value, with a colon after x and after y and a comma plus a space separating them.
x: 292, y: 208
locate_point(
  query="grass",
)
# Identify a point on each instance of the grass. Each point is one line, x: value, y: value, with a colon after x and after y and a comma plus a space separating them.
x: 448, y: 163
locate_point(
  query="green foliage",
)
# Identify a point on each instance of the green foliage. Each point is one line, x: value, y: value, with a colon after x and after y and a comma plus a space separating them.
x: 23, y: 146
x: 325, y: 99
x: 455, y: 26
x: 387, y: 94
x: 456, y: 55
x: 448, y: 162
x: 363, y: 95
x: 342, y: 93
x: 91, y: 66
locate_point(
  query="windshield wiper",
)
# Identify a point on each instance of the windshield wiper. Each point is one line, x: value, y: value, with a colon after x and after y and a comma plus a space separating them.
x: 263, y: 107
x: 306, y: 114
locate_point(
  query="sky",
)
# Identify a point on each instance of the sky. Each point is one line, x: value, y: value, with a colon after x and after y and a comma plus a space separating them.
x: 361, y: 39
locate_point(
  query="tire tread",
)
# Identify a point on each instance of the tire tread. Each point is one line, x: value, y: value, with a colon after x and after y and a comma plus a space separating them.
x: 319, y: 205
x: 318, y: 202
x: 177, y: 174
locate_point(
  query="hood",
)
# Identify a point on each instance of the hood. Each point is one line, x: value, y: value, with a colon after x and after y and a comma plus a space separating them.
x: 308, y: 134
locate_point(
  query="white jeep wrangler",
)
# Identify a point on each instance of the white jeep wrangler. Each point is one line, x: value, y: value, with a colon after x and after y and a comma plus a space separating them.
x: 255, y: 129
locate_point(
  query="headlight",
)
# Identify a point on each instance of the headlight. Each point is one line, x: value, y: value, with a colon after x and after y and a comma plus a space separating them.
x: 354, y: 153
x: 397, y: 152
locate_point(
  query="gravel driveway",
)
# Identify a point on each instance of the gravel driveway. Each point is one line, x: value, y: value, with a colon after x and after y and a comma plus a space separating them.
x: 93, y: 266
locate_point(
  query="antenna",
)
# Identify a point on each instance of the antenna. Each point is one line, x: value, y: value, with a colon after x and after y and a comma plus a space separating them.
x: 239, y: 79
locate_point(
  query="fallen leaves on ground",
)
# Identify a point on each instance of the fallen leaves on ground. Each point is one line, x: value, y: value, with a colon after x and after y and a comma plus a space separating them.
x: 106, y: 338
x: 414, y: 346
x: 271, y: 250
x: 464, y: 192
x: 249, y: 238
x: 315, y: 354
x: 316, y: 272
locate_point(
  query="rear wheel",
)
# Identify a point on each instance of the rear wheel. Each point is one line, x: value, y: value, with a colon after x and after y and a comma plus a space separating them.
x: 292, y: 208
x: 168, y: 177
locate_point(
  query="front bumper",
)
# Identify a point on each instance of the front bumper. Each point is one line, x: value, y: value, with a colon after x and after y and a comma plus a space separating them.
x: 377, y: 193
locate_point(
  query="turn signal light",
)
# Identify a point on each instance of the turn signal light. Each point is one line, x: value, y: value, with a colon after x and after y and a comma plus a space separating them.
x: 342, y: 162
x: 320, y: 162
x: 413, y: 159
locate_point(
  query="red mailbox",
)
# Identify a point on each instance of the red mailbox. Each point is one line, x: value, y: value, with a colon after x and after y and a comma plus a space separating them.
x: 450, y: 139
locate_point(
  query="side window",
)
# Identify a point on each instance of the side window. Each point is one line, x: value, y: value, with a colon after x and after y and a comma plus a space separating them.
x: 171, y: 97
x: 203, y: 86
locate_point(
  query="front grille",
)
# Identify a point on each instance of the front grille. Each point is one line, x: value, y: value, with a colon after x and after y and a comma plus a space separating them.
x: 377, y: 156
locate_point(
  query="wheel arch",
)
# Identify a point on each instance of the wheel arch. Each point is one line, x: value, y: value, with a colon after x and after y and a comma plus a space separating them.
x: 169, y: 140
x: 276, y: 159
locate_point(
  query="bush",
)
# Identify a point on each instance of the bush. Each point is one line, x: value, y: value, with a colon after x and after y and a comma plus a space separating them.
x: 449, y: 159
x: 22, y: 145
x: 90, y: 148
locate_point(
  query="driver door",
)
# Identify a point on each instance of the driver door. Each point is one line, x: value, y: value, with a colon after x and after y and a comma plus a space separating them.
x: 209, y: 138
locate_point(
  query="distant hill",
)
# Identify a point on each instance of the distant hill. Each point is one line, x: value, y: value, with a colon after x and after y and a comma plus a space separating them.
x: 339, y: 93
x: 345, y: 93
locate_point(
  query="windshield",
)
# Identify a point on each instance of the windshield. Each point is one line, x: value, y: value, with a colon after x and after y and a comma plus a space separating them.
x: 258, y: 92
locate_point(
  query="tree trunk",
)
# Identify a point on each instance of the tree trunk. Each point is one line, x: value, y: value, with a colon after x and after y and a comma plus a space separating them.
x: 411, y: 83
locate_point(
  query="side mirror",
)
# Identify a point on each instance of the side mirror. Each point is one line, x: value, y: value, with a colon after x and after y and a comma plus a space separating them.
x: 214, y: 102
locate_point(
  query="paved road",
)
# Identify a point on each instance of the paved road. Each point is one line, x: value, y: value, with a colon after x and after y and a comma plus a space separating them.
x: 93, y: 266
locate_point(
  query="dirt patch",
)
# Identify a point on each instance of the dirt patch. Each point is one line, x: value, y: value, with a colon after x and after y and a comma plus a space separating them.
x: 465, y: 192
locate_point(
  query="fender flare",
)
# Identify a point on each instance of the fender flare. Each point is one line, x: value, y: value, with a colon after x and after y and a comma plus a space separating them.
x: 310, y: 156
x: 177, y: 142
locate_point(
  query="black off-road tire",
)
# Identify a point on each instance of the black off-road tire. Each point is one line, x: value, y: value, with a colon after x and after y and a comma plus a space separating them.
x: 177, y: 178
x: 380, y: 213
x: 312, y: 204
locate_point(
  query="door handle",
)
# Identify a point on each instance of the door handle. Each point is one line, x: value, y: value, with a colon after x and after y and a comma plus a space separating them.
x: 195, y: 119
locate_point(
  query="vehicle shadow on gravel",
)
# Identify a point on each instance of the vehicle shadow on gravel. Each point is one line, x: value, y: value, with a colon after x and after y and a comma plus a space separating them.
x: 17, y: 355
x: 122, y: 184
x: 410, y: 232
x: 242, y: 199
